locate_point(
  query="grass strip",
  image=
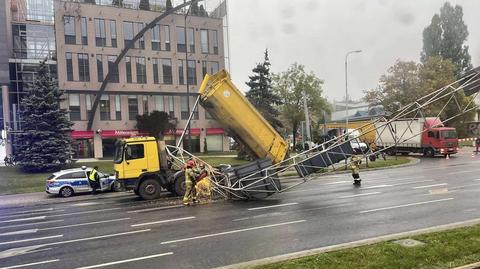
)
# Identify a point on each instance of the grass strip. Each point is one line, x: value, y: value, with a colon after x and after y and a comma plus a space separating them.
x: 445, y: 249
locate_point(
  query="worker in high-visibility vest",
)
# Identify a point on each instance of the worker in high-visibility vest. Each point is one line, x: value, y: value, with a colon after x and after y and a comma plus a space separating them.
x: 191, y: 173
x: 355, y: 167
x: 94, y: 180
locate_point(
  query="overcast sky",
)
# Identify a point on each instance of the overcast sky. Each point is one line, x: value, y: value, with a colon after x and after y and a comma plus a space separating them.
x: 318, y: 33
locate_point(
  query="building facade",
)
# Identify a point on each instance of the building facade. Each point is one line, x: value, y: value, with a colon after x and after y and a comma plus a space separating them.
x: 83, y: 41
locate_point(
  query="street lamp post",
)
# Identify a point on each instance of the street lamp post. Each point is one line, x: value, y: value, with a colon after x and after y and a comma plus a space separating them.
x: 346, y: 87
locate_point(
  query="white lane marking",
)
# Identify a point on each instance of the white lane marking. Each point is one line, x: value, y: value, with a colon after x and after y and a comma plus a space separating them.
x: 271, y: 206
x: 337, y: 182
x: 477, y: 179
x: 463, y: 172
x: 232, y: 232
x: 125, y: 261
x: 376, y: 187
x: 27, y: 214
x: 430, y: 186
x: 29, y: 264
x: 161, y: 221
x: 31, y: 239
x: 82, y: 224
x: 358, y: 195
x: 31, y: 231
x: 28, y: 224
x: 24, y: 219
x: 96, y: 237
x: 413, y: 182
x: 86, y: 204
x: 85, y: 212
x: 405, y: 205
x: 154, y: 209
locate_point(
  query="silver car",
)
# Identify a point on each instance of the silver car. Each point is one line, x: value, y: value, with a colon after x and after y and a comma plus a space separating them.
x: 71, y: 181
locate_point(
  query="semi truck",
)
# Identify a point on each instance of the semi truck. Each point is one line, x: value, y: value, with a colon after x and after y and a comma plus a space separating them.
x: 142, y: 164
x: 428, y: 136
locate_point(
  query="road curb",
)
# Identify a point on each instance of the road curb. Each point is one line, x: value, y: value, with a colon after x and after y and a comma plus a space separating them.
x: 363, y: 242
x: 469, y: 266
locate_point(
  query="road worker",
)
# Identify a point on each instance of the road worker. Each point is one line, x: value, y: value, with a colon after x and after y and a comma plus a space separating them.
x: 355, y: 162
x: 94, y: 180
x: 191, y: 173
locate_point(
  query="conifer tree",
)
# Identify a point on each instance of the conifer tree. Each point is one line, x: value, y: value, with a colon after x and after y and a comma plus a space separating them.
x: 169, y: 5
x: 144, y: 5
x: 261, y: 94
x: 44, y: 144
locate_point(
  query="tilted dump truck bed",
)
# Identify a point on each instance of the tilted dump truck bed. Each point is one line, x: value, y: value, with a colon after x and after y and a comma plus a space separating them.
x: 229, y: 106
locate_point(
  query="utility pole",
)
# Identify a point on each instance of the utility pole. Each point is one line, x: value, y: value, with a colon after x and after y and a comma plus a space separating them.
x: 307, y: 119
x: 188, y: 84
x: 346, y: 86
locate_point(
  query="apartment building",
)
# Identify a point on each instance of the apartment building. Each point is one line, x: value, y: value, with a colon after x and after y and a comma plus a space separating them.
x: 87, y: 39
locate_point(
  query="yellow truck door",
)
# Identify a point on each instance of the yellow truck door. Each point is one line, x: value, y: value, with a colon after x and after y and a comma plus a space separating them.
x: 135, y: 160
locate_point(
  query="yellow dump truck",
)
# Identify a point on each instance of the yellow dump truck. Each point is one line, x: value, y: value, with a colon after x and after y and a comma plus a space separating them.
x: 141, y: 163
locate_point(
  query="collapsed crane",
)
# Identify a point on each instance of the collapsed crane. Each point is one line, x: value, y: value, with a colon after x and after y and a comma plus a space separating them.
x: 261, y: 178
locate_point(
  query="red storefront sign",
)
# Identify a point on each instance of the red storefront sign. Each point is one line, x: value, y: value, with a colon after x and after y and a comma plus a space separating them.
x: 81, y: 134
x: 178, y: 132
x: 121, y: 133
x: 215, y: 131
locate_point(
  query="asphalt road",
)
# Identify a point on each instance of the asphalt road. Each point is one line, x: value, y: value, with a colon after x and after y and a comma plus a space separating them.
x: 125, y: 232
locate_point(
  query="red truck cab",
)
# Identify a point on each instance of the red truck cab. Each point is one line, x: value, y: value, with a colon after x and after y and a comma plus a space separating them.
x: 438, y: 139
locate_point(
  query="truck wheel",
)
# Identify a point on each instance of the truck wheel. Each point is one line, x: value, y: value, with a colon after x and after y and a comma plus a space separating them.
x: 430, y: 152
x: 66, y: 192
x: 149, y: 189
x: 170, y: 188
x: 179, y: 185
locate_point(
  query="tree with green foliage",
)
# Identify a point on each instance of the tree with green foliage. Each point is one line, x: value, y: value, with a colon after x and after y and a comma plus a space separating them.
x: 261, y: 94
x: 90, y: 2
x: 293, y: 86
x: 156, y: 123
x: 446, y: 36
x: 44, y: 144
x: 169, y: 5
x: 144, y: 5
x: 194, y: 9
x: 202, y: 12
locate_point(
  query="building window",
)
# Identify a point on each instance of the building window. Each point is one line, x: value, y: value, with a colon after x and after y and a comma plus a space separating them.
x: 99, y: 68
x: 171, y: 107
x: 215, y: 41
x: 156, y: 37
x: 159, y: 106
x: 113, y: 33
x: 88, y: 104
x: 195, y: 113
x: 181, y: 79
x: 132, y: 107
x: 181, y: 45
x: 113, y: 69
x: 127, y: 32
x: 141, y: 41
x: 69, y: 26
x: 204, y: 68
x: 191, y: 39
x: 118, y: 108
x: 83, y: 30
x: 156, y: 79
x: 128, y: 68
x: 214, y: 66
x: 166, y: 29
x: 68, y: 57
x: 74, y: 106
x: 204, y: 40
x: 145, y: 104
x: 141, y: 70
x: 184, y: 113
x: 105, y: 107
x: 167, y: 71
x: 100, y: 36
x: 83, y: 67
x: 192, y: 72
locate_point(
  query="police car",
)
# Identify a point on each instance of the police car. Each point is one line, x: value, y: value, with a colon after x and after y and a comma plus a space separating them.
x: 71, y: 181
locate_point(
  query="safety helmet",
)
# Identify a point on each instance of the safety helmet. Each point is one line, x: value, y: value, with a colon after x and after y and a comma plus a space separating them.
x: 190, y: 163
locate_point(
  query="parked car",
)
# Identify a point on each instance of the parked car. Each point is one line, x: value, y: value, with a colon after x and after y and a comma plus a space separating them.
x: 72, y: 181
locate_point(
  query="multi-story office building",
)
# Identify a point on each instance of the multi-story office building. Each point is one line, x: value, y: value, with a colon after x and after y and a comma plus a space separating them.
x: 83, y: 40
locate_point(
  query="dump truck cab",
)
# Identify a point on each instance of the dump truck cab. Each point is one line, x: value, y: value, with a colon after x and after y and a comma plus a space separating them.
x: 139, y: 167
